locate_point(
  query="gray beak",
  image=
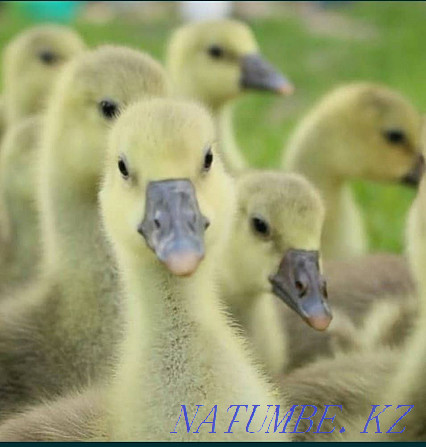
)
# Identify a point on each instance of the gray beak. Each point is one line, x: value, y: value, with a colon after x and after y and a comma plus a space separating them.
x: 413, y: 177
x: 258, y: 74
x: 173, y: 226
x: 301, y: 286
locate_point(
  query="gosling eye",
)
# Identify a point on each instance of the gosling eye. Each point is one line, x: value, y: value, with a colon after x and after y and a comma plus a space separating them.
x: 260, y: 226
x: 215, y: 51
x: 208, y: 160
x: 48, y: 57
x: 108, y: 109
x: 122, y: 167
x: 395, y: 136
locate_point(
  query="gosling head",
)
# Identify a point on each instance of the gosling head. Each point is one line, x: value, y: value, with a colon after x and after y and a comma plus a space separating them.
x: 31, y: 63
x: 379, y: 132
x: 164, y: 185
x: 216, y: 61
x: 92, y: 91
x: 278, y: 225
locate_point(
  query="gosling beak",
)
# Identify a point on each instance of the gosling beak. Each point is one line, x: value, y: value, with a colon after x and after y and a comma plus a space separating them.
x: 173, y: 226
x: 258, y: 74
x: 413, y: 177
x: 301, y: 286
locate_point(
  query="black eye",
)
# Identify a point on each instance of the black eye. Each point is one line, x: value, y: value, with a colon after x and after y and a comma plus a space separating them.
x: 122, y: 167
x: 215, y: 51
x: 260, y: 226
x: 395, y: 136
x: 108, y: 108
x: 48, y: 57
x: 208, y: 160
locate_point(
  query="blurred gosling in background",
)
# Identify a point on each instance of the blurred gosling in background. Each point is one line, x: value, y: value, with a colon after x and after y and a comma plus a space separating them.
x: 30, y: 65
x: 408, y: 385
x: 33, y: 61
x: 215, y: 62
x: 359, y: 131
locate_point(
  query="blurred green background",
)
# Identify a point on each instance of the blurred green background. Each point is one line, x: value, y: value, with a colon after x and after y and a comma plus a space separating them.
x: 318, y: 48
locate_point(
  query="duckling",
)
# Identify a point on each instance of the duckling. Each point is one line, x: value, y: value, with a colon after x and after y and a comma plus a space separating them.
x: 166, y: 202
x: 358, y: 131
x: 274, y: 241
x: 60, y: 333
x: 19, y: 233
x: 215, y: 62
x: 31, y: 63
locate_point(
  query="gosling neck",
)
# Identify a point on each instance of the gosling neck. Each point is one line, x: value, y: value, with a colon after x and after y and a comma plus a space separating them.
x: 169, y: 306
x: 314, y: 151
x: 72, y: 236
x: 316, y: 161
x: 164, y: 295
x: 162, y: 363
x: 316, y: 164
x: 239, y: 293
x: 179, y: 349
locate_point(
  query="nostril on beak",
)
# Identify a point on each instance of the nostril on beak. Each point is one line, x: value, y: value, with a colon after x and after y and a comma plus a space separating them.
x: 301, y: 288
x: 157, y: 223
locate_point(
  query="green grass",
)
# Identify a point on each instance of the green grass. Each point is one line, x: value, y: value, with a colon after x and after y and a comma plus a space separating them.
x: 315, y: 62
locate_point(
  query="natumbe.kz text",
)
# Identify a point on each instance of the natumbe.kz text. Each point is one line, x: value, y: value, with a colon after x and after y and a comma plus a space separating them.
x: 280, y: 420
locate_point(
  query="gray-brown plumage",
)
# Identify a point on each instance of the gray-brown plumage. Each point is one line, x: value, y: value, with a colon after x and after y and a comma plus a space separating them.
x: 60, y: 333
